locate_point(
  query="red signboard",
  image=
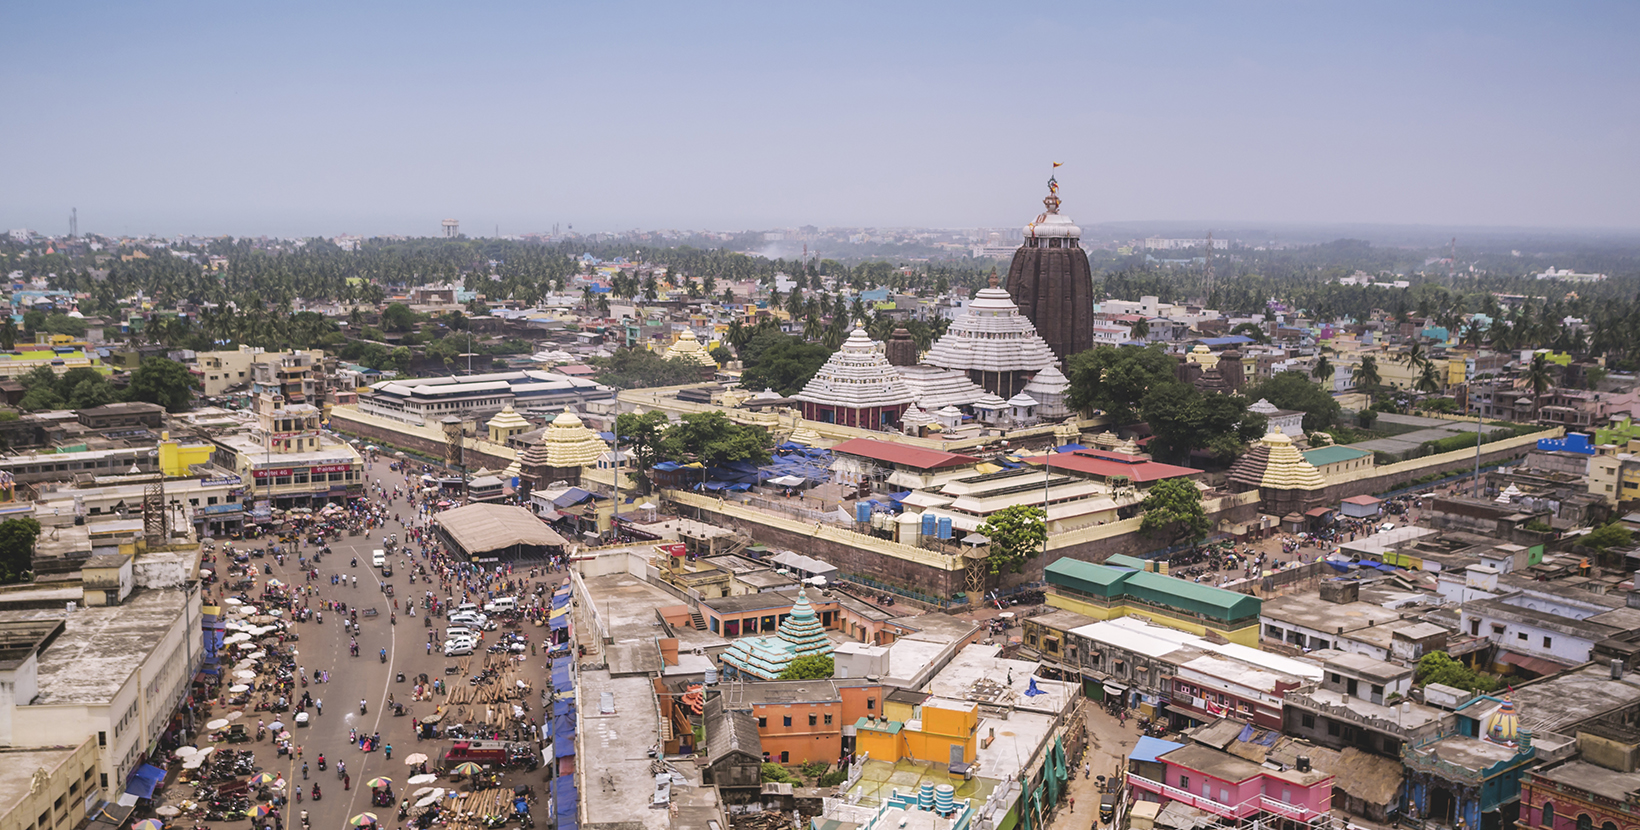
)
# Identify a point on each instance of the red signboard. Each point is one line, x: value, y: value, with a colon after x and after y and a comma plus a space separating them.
x: 673, y: 548
x: 333, y: 468
x: 279, y: 473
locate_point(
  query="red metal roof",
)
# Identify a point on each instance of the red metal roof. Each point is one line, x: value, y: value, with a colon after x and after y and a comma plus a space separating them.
x: 902, y: 454
x: 1105, y: 465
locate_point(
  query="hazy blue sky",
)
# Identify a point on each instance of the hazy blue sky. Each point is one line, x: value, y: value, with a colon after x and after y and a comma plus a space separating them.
x: 385, y: 117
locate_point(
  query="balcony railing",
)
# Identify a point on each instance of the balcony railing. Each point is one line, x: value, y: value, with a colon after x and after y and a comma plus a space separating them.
x: 1256, y: 804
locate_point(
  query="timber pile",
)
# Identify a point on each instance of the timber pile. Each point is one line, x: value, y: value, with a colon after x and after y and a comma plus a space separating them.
x: 491, y: 701
x: 467, y: 811
x: 766, y: 820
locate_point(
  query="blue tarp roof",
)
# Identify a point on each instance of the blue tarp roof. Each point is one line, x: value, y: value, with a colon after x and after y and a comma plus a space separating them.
x: 563, y: 746
x: 143, y: 780
x: 1069, y: 448
x: 566, y: 802
x: 572, y: 496
x: 667, y: 466
x: 1148, y: 748
x: 1232, y: 340
x: 560, y: 708
x: 563, y: 680
x: 561, y: 621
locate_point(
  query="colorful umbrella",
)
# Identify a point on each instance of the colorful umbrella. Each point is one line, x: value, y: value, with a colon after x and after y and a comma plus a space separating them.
x: 259, y: 811
x: 362, y: 819
x: 377, y: 783
x: 467, y: 768
x: 149, y: 824
x: 264, y: 778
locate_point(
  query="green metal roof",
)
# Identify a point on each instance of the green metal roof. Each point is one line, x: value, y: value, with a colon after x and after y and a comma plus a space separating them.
x: 1191, y: 596
x: 1098, y: 580
x: 1332, y: 455
x: 1122, y: 560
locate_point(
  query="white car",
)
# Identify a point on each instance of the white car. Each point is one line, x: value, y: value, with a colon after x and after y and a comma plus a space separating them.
x: 477, y: 620
x: 458, y: 648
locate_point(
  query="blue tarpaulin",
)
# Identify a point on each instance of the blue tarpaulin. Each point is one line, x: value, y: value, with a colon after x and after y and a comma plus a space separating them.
x: 1148, y: 749
x: 563, y: 746
x: 558, y: 622
x: 563, y: 679
x: 143, y: 780
x: 566, y: 803
x: 563, y: 708
x: 1069, y: 448
x: 572, y: 496
x: 667, y: 466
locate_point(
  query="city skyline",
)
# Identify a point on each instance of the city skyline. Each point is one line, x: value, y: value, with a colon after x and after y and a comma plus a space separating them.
x: 312, y: 120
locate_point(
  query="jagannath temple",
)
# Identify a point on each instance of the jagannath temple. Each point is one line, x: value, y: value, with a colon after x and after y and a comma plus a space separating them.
x: 856, y: 387
x: 993, y: 344
x: 1051, y: 281
x: 565, y: 447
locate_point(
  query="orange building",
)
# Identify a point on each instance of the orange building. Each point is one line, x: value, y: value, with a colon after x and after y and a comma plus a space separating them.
x: 802, y: 720
x: 944, y: 731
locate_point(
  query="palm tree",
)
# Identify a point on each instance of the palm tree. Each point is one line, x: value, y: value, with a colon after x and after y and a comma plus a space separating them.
x: 1540, y: 377
x: 1323, y: 371
x: 1427, y: 381
x: 1414, y: 357
x: 1366, y: 376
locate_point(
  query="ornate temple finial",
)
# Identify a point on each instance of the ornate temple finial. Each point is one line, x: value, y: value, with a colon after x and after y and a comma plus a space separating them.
x: 993, y: 276
x: 1052, y: 202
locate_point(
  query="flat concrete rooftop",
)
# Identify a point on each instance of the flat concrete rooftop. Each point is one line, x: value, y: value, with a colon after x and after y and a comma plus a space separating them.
x: 100, y: 647
x: 614, y: 762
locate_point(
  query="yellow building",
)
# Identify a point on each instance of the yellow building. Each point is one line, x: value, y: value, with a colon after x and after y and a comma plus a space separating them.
x: 938, y: 729
x: 175, y: 459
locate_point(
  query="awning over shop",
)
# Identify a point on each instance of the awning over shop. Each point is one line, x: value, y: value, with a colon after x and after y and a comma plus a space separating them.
x: 558, y: 623
x: 1114, y: 688
x: 143, y: 780
x: 563, y: 680
x: 566, y: 802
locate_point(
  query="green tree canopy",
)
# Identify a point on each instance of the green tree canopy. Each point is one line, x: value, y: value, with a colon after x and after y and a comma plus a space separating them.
x: 1115, y: 379
x: 1292, y: 390
x: 1612, y: 535
x: 711, y: 438
x: 162, y: 381
x: 1173, y: 507
x: 399, y: 317
x: 640, y: 436
x: 812, y: 667
x: 1184, y: 420
x: 1440, y: 667
x: 1017, y: 533
x: 17, y: 537
x: 633, y: 368
x: 773, y: 360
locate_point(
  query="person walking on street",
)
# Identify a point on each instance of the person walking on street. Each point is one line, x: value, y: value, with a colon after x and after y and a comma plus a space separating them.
x: 347, y: 781
x: 319, y: 705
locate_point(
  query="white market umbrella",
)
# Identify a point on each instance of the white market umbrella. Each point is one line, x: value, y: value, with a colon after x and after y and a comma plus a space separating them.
x: 276, y: 726
x: 415, y: 758
x: 233, y: 600
x: 424, y: 778
x: 167, y: 811
x: 239, y: 688
x: 235, y: 715
x: 219, y: 723
x: 185, y: 751
x: 256, y: 655
x: 245, y: 675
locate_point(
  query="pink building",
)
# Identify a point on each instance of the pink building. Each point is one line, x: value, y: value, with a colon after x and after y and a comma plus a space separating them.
x: 1232, y: 787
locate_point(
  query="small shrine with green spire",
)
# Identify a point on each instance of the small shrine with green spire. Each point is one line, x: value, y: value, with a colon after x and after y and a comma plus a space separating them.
x: 766, y: 657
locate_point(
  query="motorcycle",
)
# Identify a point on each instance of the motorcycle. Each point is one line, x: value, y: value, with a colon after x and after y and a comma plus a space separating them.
x: 321, y: 762
x: 315, y: 792
x: 384, y: 660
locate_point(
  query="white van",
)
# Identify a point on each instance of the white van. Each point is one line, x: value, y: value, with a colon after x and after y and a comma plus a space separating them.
x: 501, y: 604
x: 455, y: 632
x: 378, y: 558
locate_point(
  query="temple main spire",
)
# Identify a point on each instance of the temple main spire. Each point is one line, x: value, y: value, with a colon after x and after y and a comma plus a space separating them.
x: 1051, y: 282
